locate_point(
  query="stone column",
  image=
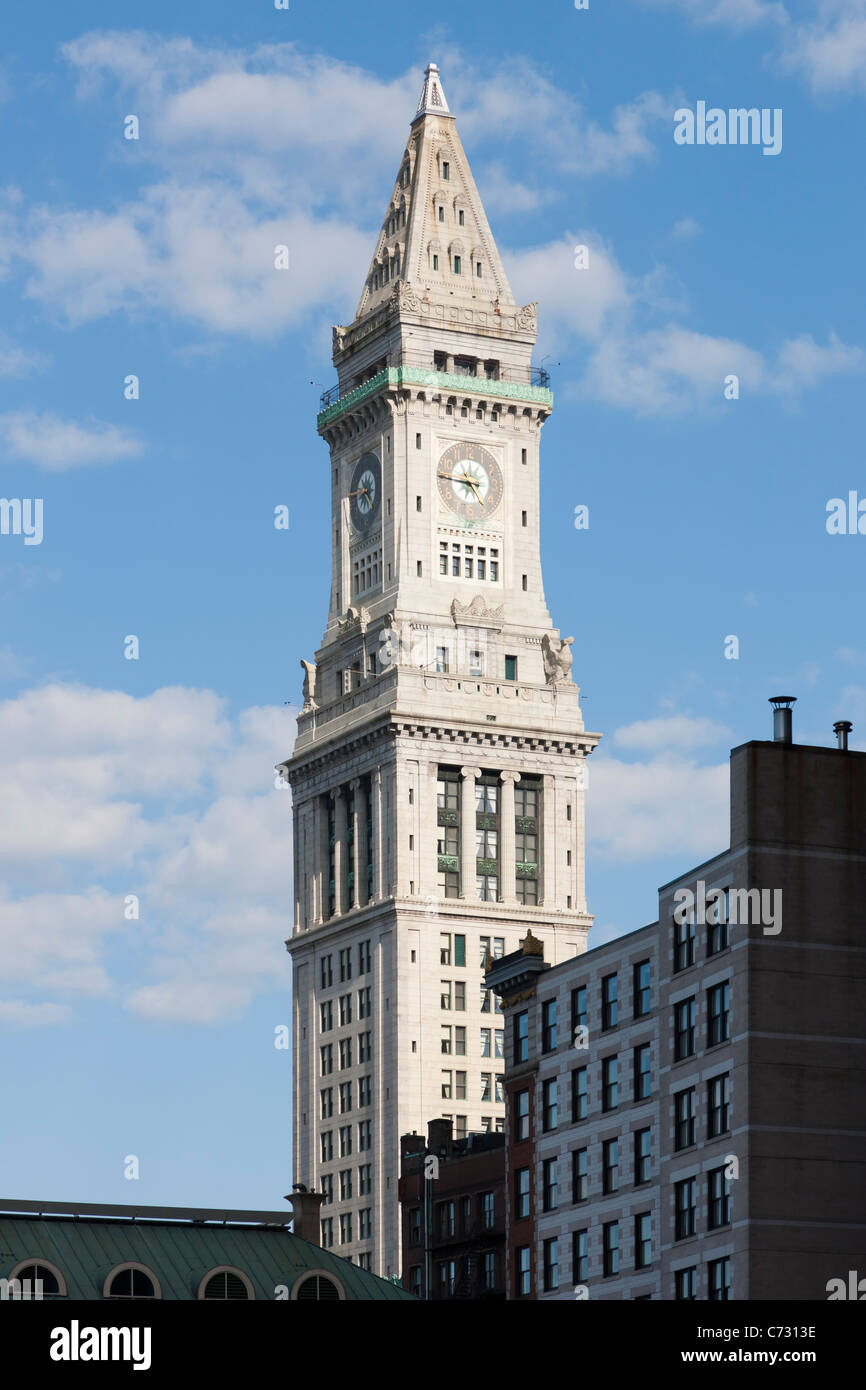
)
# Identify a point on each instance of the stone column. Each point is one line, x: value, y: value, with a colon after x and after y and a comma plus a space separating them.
x: 507, y: 891
x: 338, y: 797
x: 375, y: 811
x: 467, y: 831
x: 356, y: 847
x: 320, y: 860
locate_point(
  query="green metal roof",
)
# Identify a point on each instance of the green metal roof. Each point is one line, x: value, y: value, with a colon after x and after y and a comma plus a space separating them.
x: 446, y: 381
x: 180, y: 1252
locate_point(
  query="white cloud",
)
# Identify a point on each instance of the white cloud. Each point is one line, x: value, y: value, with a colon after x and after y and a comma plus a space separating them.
x: 829, y: 51
x: 731, y: 14
x: 16, y: 1013
x: 803, y: 362
x: 572, y: 302
x: 685, y: 228
x: 675, y: 733
x: 18, y: 361
x: 162, y: 796
x: 56, y: 444
x: 500, y: 193
x: 668, y: 805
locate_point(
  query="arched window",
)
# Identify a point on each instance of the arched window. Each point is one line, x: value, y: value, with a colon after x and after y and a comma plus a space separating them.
x: 53, y: 1283
x: 225, y: 1283
x: 318, y: 1287
x: 131, y: 1281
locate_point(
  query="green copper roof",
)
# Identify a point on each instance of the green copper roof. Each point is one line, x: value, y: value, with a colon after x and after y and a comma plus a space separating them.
x: 422, y: 376
x: 179, y: 1253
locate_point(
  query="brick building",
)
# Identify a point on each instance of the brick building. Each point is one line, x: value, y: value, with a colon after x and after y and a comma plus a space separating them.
x: 685, y: 1103
x: 452, y: 1194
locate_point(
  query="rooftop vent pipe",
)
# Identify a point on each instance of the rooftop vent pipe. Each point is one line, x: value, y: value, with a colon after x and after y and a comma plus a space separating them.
x: 842, y: 729
x: 782, y: 725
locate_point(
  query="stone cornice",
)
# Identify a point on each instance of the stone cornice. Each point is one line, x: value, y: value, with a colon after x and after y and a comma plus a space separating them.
x: 445, y: 381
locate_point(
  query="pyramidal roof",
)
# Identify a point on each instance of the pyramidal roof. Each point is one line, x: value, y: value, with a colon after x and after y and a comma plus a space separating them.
x: 435, y: 235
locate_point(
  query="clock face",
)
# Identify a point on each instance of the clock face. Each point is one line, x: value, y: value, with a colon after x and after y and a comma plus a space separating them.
x: 365, y: 492
x: 470, y: 481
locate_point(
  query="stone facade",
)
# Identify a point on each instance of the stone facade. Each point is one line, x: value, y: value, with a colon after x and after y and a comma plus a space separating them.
x: 439, y: 769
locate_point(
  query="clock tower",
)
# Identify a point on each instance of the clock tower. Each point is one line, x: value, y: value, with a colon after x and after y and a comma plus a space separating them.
x: 438, y: 774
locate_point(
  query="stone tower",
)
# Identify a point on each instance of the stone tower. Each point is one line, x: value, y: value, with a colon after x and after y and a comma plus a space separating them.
x: 439, y: 769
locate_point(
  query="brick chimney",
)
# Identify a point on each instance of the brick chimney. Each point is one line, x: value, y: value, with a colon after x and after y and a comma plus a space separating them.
x: 305, y: 1214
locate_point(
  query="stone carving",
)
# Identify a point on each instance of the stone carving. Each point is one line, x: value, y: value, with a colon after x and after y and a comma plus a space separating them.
x: 404, y: 298
x: 527, y: 318
x: 557, y: 657
x: 309, y: 684
x: 476, y: 611
x: 354, y: 615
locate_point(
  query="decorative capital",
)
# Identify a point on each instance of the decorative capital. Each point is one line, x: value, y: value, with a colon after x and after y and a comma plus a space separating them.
x: 509, y: 776
x: 473, y: 772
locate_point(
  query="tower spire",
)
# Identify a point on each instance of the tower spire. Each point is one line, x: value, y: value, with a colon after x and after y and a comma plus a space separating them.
x: 432, y: 96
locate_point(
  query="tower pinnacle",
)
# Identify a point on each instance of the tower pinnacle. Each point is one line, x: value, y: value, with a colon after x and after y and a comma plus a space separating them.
x: 432, y: 96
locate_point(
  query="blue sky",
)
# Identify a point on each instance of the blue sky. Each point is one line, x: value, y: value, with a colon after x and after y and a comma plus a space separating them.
x: 154, y: 1036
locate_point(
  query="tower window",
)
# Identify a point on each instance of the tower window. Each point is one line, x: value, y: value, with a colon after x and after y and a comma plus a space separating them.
x: 460, y: 218
x: 456, y: 265
x: 441, y: 213
x: 418, y: 499
x: 442, y: 659
x: 523, y: 518
x: 446, y: 169
x: 511, y: 668
x: 478, y: 269
x: 418, y: 569
x: 524, y: 582
x: 418, y: 443
x: 435, y: 257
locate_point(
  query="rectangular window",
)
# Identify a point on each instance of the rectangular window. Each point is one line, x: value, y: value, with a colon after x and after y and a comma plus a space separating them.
x: 346, y: 1185
x: 447, y: 1219
x: 684, y: 945
x: 548, y: 1025
x: 642, y: 1072
x: 579, y: 1175
x: 686, y: 1283
x: 460, y: 1085
x: 345, y: 1097
x: 446, y: 1040
x: 364, y: 957
x: 642, y: 1153
x: 718, y: 1014
x: 498, y: 1043
x: 522, y: 1278
x: 578, y: 1009
x: 550, y: 1114
x: 456, y: 265
x: 643, y: 1246
x: 521, y: 1115
x: 326, y: 1017
x: 550, y: 1184
x: 551, y: 1264
x: 326, y: 1139
x: 578, y: 1094
x: 489, y: 1270
x: 328, y: 1233
x: 346, y: 1228
x: 345, y: 1053
x: 365, y: 1136
x: 365, y: 1047
x: 459, y: 950
x: 488, y: 1211
x: 684, y: 1118
x: 346, y: 964
x: 610, y: 1165
x: 641, y: 989
x: 718, y: 1102
x: 720, y: 1199
x: 446, y: 1085
x: 486, y: 1034
x: 460, y: 996
x: 609, y: 1083
x: 345, y: 1009
x: 365, y: 1225
x: 579, y: 1256
x: 717, y: 930
x: 365, y: 1091
x: 610, y: 1248
x: 444, y: 948
x: 684, y: 1029
x: 365, y: 1179
x: 326, y: 1098
x: 521, y: 1037
x: 365, y: 1002
x: 326, y: 1054
x: 447, y: 1268
x: 327, y: 972
x: 720, y: 1280
x: 445, y: 994
x: 511, y: 668
x: 500, y: 1088
x: 326, y: 1183
x: 609, y: 1007
x: 486, y: 1086
x: 521, y: 1193
x: 460, y: 1041
x: 685, y: 1194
